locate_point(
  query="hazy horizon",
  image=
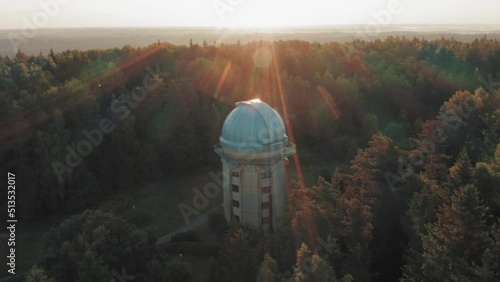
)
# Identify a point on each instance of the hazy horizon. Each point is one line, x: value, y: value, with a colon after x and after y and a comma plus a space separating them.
x: 241, y: 13
x: 61, y: 39
x: 312, y: 26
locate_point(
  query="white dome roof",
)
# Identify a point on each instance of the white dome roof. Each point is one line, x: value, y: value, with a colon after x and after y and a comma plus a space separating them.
x: 253, y: 127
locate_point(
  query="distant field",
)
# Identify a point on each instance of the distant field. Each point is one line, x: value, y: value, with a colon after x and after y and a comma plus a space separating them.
x: 93, y: 38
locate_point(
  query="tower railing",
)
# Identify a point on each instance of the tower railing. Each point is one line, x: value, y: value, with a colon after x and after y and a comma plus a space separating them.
x: 256, y: 158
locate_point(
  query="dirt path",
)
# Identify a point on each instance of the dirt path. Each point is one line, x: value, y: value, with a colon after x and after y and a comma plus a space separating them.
x: 201, y: 220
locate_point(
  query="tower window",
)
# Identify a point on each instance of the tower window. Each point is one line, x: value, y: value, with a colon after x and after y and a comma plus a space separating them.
x: 266, y: 190
x: 235, y: 174
x: 265, y: 205
x: 236, y: 204
x: 264, y: 175
x: 236, y: 188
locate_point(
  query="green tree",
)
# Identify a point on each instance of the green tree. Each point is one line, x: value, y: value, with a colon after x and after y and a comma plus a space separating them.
x: 497, y: 157
x: 487, y: 182
x: 93, y: 269
x: 240, y: 256
x: 158, y: 272
x: 38, y: 274
x: 177, y: 271
x: 423, y: 208
x: 20, y: 57
x: 458, y: 246
x: 310, y: 267
x: 89, y: 246
x: 303, y: 264
x: 462, y: 171
x: 268, y: 270
x: 370, y: 125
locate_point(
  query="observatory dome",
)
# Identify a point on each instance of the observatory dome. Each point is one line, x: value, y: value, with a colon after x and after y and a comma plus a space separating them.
x: 253, y: 126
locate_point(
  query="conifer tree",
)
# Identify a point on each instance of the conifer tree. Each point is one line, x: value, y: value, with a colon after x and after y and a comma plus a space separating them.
x: 462, y: 171
x: 459, y: 242
x: 240, y: 256
x: 310, y: 267
x: 268, y: 270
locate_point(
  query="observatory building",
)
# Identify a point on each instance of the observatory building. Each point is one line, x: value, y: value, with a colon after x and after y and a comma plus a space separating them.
x: 254, y: 148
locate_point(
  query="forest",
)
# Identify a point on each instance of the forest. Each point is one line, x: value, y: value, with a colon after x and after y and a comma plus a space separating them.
x: 410, y: 129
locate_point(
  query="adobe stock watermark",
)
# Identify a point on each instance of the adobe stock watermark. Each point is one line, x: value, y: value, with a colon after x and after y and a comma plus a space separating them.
x: 221, y: 7
x: 121, y: 277
x: 381, y: 19
x: 450, y: 119
x: 121, y: 107
x: 48, y: 9
x: 373, y: 28
x: 201, y: 200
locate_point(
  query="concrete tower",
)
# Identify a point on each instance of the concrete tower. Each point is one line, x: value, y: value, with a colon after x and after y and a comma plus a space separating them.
x: 254, y: 148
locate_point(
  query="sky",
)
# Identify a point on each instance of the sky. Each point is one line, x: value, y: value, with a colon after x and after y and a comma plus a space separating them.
x: 243, y: 13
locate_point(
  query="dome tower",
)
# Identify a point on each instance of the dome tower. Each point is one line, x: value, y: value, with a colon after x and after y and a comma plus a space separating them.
x: 254, y: 149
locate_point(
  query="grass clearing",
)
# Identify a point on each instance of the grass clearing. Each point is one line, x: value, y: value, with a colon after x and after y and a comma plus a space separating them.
x: 161, y: 199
